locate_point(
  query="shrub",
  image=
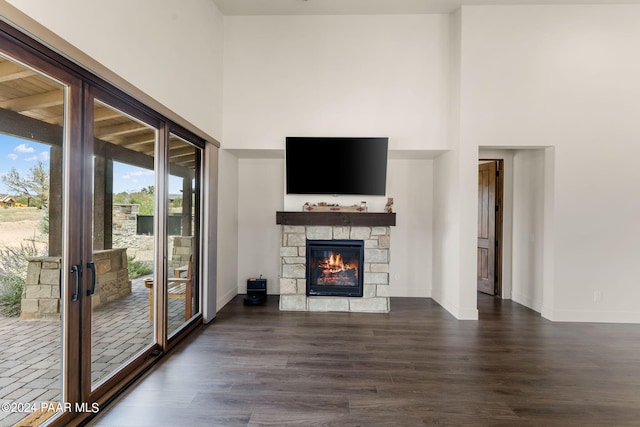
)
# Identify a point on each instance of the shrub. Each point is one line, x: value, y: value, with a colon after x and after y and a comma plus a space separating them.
x: 44, y: 223
x: 11, y: 288
x: 13, y: 271
x: 138, y: 268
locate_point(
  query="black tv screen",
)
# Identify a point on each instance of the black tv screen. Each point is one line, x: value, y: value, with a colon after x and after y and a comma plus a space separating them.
x: 317, y: 165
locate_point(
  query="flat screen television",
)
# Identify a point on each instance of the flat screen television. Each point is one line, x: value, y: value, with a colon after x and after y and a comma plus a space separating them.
x: 337, y: 166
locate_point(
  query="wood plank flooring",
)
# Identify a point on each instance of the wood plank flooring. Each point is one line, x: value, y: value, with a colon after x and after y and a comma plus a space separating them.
x: 415, y: 366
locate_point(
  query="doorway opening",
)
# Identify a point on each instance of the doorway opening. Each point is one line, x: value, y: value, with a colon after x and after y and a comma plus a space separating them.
x: 490, y: 218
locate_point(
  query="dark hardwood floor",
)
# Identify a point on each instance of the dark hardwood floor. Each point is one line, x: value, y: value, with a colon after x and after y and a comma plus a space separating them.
x: 416, y: 366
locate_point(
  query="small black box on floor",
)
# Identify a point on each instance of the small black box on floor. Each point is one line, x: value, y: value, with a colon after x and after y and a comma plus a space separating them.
x: 256, y: 291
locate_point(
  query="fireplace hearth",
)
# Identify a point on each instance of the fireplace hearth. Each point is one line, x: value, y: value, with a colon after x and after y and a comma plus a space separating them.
x: 334, y: 268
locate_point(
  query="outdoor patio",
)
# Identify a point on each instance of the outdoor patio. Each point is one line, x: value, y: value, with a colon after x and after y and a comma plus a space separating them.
x: 30, y: 350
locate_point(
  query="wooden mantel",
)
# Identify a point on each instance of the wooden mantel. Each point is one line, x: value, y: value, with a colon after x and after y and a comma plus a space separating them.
x: 353, y: 219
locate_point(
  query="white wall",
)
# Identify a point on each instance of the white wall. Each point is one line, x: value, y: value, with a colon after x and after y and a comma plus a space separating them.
x: 338, y: 76
x: 335, y: 76
x: 446, y: 217
x: 528, y: 214
x: 171, y: 52
x: 227, y: 282
x: 260, y: 196
x: 455, y: 211
x: 411, y: 265
x: 566, y: 77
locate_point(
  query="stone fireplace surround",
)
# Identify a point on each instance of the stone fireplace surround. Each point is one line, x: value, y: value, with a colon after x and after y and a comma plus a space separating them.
x: 298, y: 227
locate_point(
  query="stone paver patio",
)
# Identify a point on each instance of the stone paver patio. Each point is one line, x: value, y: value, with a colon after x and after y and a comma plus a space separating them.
x: 30, y: 349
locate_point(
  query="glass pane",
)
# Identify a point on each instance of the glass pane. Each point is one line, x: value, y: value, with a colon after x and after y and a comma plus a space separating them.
x: 32, y: 110
x: 183, y: 222
x: 123, y: 245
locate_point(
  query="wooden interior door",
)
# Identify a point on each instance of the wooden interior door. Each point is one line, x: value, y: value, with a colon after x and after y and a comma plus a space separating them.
x: 487, y: 227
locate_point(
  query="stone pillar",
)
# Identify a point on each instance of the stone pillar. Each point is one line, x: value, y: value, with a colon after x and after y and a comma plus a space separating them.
x: 187, y: 196
x: 112, y: 276
x: 41, y: 293
x: 55, y: 201
x: 124, y: 220
x: 102, y: 203
x: 182, y: 250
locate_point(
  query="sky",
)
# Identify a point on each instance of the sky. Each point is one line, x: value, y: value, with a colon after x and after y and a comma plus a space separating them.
x: 23, y: 154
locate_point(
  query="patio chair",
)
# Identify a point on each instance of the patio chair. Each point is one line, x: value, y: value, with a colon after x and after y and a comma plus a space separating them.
x: 177, y: 287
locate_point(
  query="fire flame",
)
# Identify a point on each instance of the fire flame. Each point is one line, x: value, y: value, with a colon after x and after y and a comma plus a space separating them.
x: 334, y: 264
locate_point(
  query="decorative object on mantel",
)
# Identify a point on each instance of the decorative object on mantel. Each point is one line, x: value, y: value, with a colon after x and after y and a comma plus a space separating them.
x: 389, y: 207
x: 332, y: 207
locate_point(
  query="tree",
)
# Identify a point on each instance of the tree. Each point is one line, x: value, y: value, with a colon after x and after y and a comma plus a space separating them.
x: 148, y: 190
x: 35, y: 184
x: 144, y: 198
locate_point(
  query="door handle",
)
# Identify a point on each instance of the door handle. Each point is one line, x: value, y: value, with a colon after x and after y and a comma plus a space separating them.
x: 76, y: 269
x: 91, y: 266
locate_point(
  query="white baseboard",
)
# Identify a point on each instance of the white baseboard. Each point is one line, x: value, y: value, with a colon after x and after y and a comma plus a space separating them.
x: 594, y: 316
x: 460, y: 314
x: 224, y: 299
x: 527, y: 301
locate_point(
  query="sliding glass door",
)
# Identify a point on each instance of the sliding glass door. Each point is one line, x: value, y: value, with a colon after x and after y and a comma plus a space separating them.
x: 123, y: 176
x: 141, y: 203
x: 99, y: 237
x: 183, y: 220
x: 39, y: 262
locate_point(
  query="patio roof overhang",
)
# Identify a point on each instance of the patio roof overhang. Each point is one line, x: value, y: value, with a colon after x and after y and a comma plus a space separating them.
x: 32, y: 107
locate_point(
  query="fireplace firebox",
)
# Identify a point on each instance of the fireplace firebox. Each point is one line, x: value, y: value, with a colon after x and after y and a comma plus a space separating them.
x: 335, y: 268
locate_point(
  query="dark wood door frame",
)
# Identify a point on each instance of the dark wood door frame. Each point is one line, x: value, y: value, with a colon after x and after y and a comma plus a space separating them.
x: 499, y: 201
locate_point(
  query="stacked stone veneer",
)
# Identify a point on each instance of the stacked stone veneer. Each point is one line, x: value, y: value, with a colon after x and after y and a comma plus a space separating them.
x: 140, y: 246
x: 41, y: 293
x: 112, y: 276
x: 182, y: 248
x: 293, y: 288
x: 125, y: 223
